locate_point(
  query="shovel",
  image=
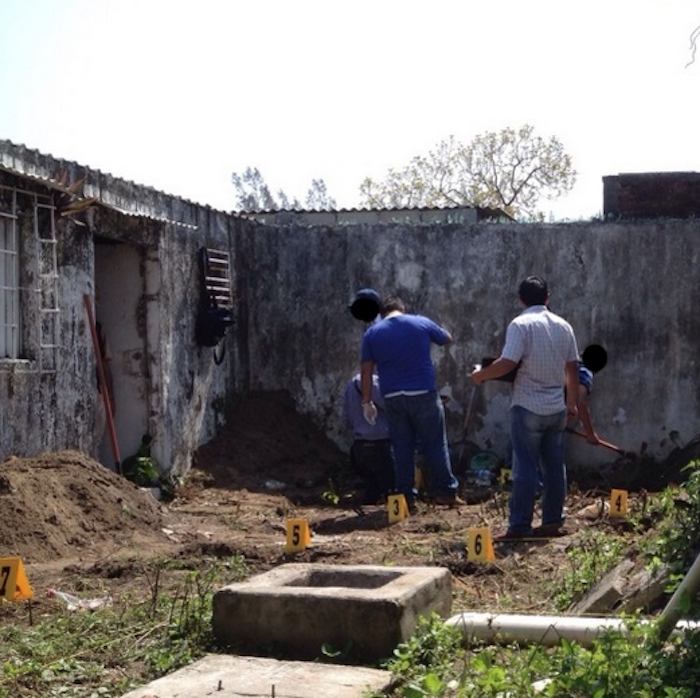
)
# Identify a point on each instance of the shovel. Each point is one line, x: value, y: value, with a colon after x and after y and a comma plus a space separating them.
x: 604, y: 444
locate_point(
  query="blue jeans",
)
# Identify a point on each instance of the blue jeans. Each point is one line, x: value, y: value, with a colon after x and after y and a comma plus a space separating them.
x: 419, y: 419
x: 537, y: 439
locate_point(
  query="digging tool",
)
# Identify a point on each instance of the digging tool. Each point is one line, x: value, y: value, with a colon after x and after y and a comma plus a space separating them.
x: 106, y: 397
x: 604, y: 444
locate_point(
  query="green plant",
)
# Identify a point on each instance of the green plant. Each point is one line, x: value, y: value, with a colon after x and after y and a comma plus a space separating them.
x: 677, y: 533
x: 597, y: 553
x: 331, y: 495
x: 433, y: 648
x: 80, y: 653
x: 634, y: 664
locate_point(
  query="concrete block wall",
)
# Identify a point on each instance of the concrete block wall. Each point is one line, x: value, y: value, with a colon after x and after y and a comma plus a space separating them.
x: 630, y: 287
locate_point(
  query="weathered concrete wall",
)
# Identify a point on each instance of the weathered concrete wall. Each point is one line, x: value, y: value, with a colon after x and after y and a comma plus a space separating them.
x: 183, y: 388
x: 41, y: 410
x: 630, y: 287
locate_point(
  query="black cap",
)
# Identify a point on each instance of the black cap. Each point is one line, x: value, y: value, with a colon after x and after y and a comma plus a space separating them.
x: 366, y: 304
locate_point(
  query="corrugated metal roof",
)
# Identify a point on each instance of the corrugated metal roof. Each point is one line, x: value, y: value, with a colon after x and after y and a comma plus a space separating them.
x: 17, y: 159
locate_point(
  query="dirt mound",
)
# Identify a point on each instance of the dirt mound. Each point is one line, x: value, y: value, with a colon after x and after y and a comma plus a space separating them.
x: 266, y: 440
x: 60, y: 504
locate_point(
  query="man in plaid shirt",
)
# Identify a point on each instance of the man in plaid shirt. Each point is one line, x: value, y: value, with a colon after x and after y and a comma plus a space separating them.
x: 543, y: 347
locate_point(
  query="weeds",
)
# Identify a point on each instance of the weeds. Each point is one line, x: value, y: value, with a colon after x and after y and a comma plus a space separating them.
x: 597, y: 553
x: 84, y: 654
x: 677, y: 534
x: 635, y: 665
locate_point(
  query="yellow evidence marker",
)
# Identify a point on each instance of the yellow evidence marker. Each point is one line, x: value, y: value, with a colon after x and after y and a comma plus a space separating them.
x: 14, y: 585
x: 480, y: 545
x: 618, y: 504
x: 298, y: 535
x: 505, y: 476
x: 397, y: 507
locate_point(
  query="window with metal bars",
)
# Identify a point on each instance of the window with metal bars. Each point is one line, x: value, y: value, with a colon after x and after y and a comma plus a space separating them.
x: 10, y: 329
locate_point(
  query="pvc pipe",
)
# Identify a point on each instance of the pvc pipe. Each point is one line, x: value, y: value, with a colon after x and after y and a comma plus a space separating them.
x: 679, y: 602
x: 541, y: 630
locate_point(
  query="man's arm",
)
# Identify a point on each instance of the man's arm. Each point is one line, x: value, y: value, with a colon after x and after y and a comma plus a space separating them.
x: 366, y: 371
x: 571, y: 388
x: 513, y: 349
x: 585, y: 416
x: 500, y: 367
x: 438, y: 334
x: 369, y: 409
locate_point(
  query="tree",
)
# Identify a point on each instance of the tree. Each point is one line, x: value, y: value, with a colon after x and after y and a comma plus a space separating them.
x: 318, y: 198
x: 253, y: 194
x: 508, y: 169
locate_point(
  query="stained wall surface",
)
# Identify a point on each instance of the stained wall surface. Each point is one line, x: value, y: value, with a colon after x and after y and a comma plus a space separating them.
x: 169, y: 386
x: 631, y: 287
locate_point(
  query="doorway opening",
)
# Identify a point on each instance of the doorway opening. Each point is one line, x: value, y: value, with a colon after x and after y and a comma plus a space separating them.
x: 126, y: 280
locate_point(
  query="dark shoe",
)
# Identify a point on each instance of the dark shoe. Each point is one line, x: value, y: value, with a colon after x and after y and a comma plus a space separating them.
x: 551, y: 531
x: 449, y: 500
x: 512, y: 535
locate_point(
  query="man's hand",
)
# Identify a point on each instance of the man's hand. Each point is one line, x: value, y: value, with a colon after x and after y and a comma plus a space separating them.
x: 572, y: 411
x: 476, y: 377
x: 369, y: 412
x: 593, y: 439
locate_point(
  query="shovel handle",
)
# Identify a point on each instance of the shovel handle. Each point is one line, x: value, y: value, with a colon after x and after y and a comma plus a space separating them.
x: 602, y: 443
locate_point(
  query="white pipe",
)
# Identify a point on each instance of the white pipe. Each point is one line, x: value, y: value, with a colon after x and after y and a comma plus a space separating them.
x: 540, y: 630
x: 684, y: 594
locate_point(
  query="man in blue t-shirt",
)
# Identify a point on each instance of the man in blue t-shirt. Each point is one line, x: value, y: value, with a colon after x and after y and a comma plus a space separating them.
x: 399, y: 346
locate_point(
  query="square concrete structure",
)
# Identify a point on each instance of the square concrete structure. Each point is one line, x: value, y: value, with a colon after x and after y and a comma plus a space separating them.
x: 295, y: 609
x: 225, y: 676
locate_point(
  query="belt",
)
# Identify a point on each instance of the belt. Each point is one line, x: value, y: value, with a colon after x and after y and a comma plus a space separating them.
x: 410, y: 393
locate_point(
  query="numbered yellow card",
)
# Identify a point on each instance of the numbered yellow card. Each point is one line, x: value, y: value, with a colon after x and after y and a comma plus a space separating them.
x: 618, y: 503
x: 14, y: 585
x: 480, y: 545
x: 397, y: 507
x: 505, y: 476
x: 298, y: 535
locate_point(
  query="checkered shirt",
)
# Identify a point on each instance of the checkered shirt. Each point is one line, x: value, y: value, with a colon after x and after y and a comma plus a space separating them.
x: 543, y: 343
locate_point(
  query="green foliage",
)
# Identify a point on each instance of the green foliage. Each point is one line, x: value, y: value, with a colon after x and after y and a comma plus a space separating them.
x: 433, y: 648
x: 677, y: 533
x: 331, y: 495
x: 597, y: 552
x: 85, y: 653
x: 510, y: 169
x: 634, y: 665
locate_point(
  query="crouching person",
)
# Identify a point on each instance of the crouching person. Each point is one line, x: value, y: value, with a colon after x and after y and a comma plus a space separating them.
x: 370, y: 453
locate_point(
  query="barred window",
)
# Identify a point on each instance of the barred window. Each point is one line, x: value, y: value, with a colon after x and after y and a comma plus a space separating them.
x: 9, y: 287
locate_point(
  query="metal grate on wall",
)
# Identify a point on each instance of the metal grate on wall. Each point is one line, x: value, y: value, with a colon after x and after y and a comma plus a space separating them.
x: 18, y: 248
x: 10, y: 318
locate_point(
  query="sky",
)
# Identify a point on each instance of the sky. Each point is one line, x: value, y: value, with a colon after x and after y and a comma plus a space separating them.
x: 178, y: 95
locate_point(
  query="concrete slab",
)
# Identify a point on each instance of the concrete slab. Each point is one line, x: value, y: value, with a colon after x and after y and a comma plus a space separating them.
x: 226, y: 676
x: 363, y: 611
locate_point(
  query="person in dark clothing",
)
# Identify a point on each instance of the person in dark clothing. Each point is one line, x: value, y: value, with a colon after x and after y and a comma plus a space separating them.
x: 370, y: 453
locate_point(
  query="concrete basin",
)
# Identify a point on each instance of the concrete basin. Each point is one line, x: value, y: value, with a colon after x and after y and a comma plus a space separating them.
x: 363, y: 611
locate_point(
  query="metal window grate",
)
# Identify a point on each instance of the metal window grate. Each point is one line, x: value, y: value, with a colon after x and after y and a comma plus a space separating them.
x: 47, y: 286
x: 216, y: 268
x: 9, y: 284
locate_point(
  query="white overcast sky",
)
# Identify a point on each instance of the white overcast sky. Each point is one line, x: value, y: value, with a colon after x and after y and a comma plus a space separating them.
x: 178, y: 95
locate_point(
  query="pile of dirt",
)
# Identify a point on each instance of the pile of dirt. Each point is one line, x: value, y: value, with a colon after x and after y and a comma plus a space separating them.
x: 59, y: 504
x: 267, y: 445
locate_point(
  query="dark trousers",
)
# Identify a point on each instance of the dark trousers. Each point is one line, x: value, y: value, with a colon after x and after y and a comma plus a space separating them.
x: 374, y: 461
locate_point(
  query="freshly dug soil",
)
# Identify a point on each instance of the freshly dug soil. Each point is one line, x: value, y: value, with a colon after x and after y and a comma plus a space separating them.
x: 267, y: 445
x: 60, y: 504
